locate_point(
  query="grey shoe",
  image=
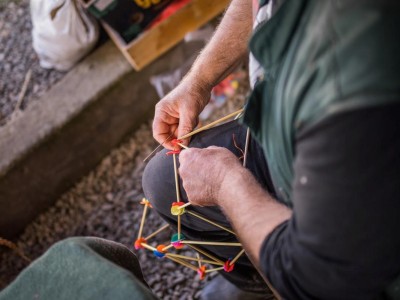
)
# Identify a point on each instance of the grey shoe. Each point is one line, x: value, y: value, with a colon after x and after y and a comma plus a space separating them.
x: 220, y: 289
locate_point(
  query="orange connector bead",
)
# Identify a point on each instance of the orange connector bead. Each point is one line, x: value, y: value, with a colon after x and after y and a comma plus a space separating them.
x: 228, y: 267
x: 160, y: 252
x: 202, y: 272
x: 176, y: 141
x: 160, y: 248
x: 173, y: 152
x: 146, y: 202
x: 138, y: 243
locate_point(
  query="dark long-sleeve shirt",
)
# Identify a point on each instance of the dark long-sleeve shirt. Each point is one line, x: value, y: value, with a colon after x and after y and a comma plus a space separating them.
x: 343, y: 240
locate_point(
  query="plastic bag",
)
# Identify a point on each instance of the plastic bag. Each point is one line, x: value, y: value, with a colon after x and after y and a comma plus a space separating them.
x: 167, y: 81
x: 62, y: 33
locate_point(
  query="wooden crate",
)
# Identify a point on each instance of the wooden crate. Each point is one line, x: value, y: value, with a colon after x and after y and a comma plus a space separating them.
x: 162, y: 37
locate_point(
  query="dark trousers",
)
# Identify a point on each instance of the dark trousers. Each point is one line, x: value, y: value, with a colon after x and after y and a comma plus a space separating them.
x: 159, y: 189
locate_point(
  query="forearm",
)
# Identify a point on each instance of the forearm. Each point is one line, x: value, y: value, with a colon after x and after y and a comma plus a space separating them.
x: 253, y: 213
x: 227, y: 48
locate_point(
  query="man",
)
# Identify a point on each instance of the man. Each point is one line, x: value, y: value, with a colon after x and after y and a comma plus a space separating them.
x: 317, y: 209
x: 318, y: 215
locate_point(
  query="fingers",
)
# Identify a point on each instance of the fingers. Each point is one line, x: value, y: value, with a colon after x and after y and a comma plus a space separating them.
x: 164, y: 127
x: 167, y: 127
x: 200, y: 176
x: 165, y: 137
x: 176, y: 115
x: 216, y: 147
x: 185, y: 156
x: 186, y: 125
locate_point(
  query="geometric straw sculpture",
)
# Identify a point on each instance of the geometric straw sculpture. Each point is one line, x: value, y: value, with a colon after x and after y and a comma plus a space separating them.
x: 203, y: 262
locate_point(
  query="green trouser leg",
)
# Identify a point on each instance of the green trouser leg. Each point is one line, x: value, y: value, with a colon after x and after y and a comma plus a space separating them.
x: 81, y: 268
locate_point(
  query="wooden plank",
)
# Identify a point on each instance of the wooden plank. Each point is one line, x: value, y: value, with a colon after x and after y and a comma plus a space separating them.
x: 120, y: 43
x: 157, y: 40
x: 168, y: 33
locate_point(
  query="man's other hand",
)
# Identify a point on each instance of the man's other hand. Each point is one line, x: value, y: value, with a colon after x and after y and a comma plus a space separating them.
x: 203, y: 172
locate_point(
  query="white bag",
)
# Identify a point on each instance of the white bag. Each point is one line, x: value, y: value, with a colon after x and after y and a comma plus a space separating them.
x: 62, y: 33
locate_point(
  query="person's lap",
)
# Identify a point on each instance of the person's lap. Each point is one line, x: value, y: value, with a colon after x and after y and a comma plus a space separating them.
x: 159, y: 189
x: 70, y: 268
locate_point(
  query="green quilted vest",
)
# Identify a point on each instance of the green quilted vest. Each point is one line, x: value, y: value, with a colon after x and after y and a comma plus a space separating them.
x: 320, y: 58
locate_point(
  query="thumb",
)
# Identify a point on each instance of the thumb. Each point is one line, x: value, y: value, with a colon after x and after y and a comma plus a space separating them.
x: 186, y: 126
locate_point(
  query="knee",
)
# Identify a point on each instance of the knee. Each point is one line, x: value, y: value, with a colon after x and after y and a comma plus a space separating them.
x: 158, y: 181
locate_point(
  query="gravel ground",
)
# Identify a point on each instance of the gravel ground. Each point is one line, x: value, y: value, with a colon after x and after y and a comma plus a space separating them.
x: 17, y: 57
x: 105, y: 203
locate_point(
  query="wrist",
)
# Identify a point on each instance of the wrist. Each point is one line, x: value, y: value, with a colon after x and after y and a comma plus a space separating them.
x: 194, y: 80
x: 233, y: 180
x: 198, y: 88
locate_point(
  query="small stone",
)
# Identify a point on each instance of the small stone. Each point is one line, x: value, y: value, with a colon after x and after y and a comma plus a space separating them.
x: 178, y: 280
x: 197, y: 295
x: 196, y: 284
x: 109, y: 196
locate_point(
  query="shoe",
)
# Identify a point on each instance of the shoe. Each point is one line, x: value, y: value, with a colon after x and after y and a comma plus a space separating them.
x: 220, y: 289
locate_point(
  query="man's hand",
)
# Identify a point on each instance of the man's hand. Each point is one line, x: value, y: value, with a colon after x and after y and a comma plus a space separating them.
x: 203, y: 172
x: 177, y: 113
x: 214, y: 176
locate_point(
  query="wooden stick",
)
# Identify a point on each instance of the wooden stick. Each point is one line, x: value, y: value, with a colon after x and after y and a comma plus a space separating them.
x: 168, y: 247
x: 214, y: 270
x: 211, y: 222
x: 239, y: 115
x: 24, y: 88
x: 179, y: 226
x: 199, y: 261
x: 246, y: 147
x: 142, y: 222
x: 183, y: 263
x: 178, y: 198
x: 236, y: 113
x: 14, y: 247
x: 156, y: 232
x: 183, y: 146
x: 158, y: 147
x: 237, y: 257
x: 185, y: 205
x: 211, y: 243
x: 211, y: 124
x: 205, y: 253
x: 148, y: 156
x: 194, y: 259
x: 147, y: 246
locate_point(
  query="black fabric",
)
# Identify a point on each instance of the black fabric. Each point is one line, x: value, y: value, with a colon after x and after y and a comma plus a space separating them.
x: 342, y: 241
x: 159, y: 188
